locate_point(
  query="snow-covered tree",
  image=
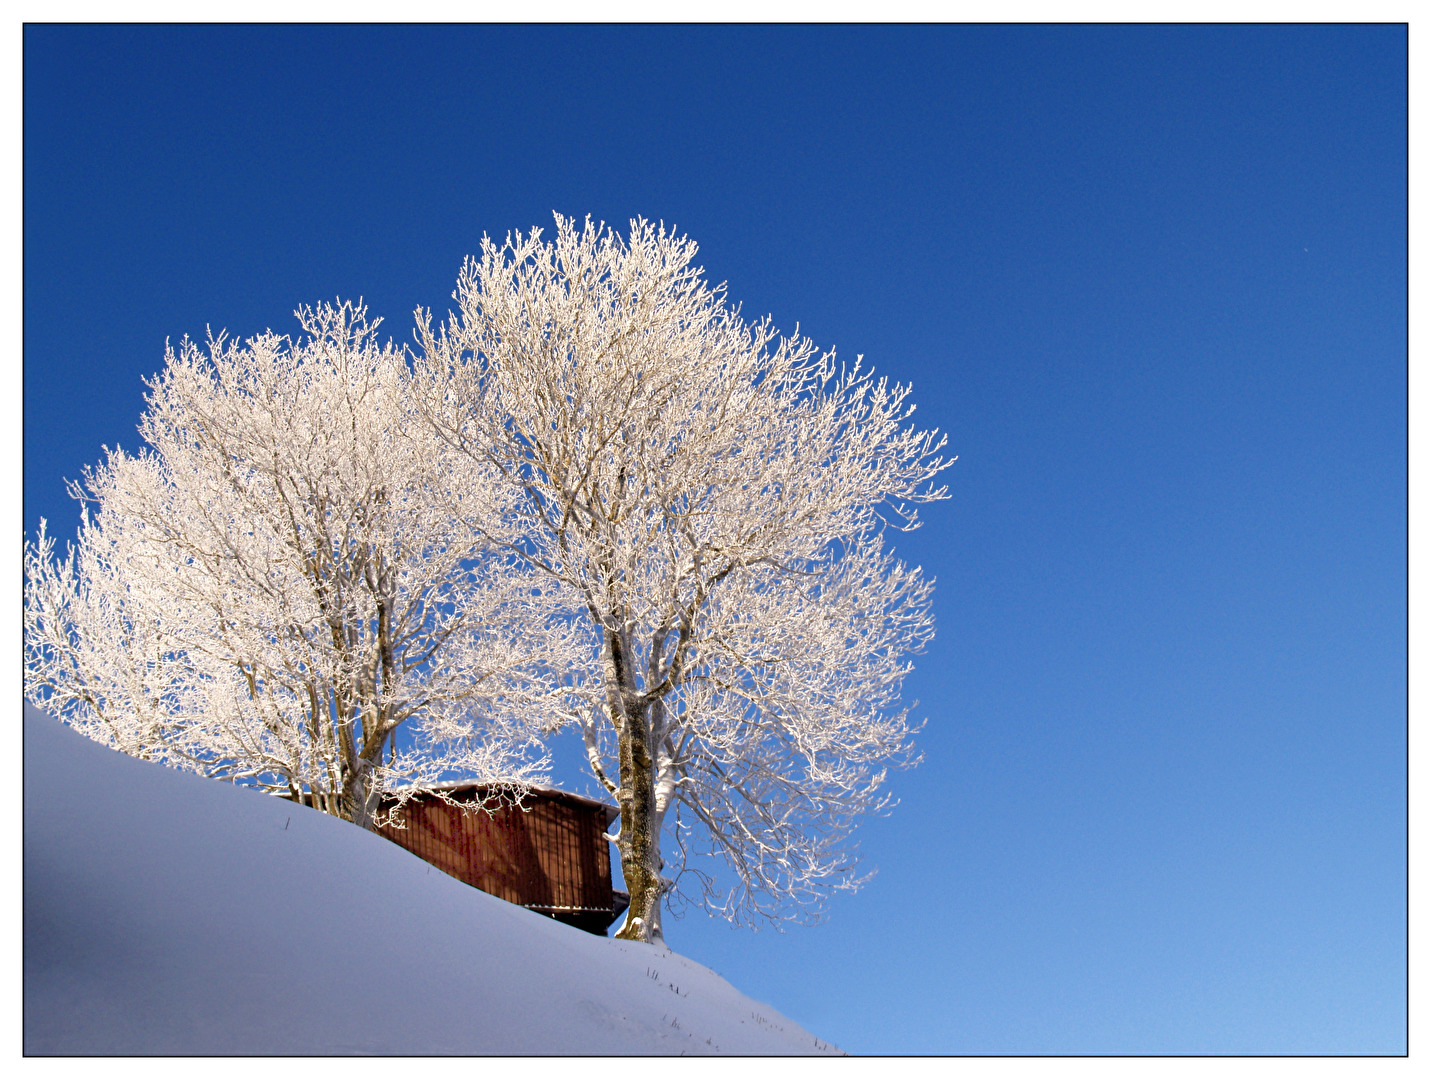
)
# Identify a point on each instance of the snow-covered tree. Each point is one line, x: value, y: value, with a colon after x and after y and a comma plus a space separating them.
x: 714, y: 500
x: 288, y: 588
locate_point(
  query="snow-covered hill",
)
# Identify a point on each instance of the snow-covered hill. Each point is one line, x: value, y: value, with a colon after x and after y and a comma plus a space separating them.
x: 169, y: 914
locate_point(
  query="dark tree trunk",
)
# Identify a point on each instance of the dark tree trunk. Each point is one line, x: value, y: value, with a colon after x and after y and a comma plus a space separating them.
x: 640, y: 845
x: 641, y: 849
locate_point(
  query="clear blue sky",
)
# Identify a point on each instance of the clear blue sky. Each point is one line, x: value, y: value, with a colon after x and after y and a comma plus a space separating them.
x: 1152, y: 281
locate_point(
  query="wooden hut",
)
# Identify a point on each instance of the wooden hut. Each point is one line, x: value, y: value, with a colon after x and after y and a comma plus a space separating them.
x: 551, y: 857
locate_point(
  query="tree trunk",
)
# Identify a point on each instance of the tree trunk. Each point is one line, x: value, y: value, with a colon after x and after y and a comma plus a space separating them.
x: 359, y: 799
x: 641, y: 850
x: 640, y: 845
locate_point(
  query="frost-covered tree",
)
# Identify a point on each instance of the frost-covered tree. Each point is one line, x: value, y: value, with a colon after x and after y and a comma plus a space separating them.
x: 714, y: 499
x: 287, y: 588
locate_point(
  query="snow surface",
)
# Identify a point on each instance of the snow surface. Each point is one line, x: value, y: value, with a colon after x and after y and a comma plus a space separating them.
x: 170, y: 914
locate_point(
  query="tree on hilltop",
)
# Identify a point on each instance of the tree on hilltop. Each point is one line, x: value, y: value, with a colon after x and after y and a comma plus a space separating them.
x: 289, y: 577
x: 712, y: 500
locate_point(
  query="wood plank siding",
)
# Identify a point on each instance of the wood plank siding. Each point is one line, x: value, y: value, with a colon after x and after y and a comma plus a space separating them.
x: 551, y: 857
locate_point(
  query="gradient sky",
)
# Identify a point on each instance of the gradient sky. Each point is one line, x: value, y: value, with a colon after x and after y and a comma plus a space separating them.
x: 1151, y: 281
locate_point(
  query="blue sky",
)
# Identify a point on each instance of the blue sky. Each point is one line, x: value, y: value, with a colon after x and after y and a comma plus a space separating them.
x: 1151, y: 281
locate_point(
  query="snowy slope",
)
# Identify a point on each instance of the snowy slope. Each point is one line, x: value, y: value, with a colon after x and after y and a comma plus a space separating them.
x: 169, y: 914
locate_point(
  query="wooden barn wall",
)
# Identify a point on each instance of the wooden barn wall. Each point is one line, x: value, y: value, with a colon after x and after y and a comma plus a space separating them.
x: 552, y: 856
